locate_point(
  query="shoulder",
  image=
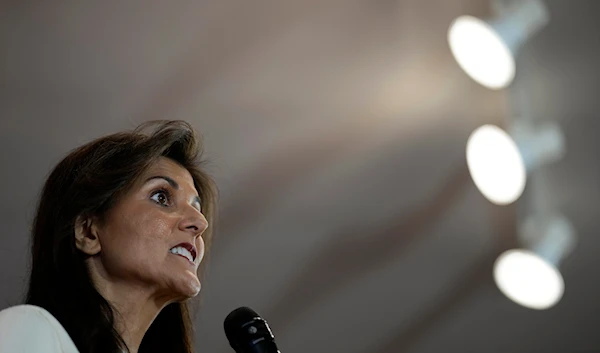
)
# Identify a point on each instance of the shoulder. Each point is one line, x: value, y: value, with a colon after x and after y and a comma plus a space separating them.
x: 29, y: 328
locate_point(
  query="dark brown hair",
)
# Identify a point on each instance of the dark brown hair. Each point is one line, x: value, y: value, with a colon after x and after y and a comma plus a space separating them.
x: 88, y: 182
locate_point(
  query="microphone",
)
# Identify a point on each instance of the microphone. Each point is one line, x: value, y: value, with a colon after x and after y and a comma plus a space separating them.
x: 247, y: 332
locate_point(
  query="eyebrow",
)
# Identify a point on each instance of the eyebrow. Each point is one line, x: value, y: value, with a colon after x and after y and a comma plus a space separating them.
x: 174, y: 185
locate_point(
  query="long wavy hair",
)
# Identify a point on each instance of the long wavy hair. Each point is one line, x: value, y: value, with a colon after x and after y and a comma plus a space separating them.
x: 89, y: 181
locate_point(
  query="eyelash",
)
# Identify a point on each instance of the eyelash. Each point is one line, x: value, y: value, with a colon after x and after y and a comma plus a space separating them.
x: 166, y: 192
x: 168, y: 195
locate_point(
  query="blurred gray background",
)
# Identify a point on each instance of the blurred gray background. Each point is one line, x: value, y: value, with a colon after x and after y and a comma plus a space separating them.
x: 336, y: 132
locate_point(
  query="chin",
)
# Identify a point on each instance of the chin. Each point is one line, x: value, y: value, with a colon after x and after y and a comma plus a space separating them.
x: 180, y: 285
x: 194, y: 291
x: 187, y: 290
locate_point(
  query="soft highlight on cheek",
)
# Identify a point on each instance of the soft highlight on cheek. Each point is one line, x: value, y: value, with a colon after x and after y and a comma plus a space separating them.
x: 138, y: 242
x: 154, y: 226
x: 153, y: 232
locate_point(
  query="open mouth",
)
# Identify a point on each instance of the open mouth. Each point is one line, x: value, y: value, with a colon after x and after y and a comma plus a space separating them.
x: 186, y: 250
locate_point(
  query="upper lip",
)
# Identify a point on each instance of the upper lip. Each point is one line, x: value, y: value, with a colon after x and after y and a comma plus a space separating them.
x: 191, y: 248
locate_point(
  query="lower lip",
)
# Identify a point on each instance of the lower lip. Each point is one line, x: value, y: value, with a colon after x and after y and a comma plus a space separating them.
x: 185, y: 258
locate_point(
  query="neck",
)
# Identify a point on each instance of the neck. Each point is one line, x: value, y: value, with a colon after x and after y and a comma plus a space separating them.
x: 134, y: 313
x: 135, y: 305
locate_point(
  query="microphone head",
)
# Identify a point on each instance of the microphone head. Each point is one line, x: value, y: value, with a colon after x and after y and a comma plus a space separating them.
x: 247, y: 332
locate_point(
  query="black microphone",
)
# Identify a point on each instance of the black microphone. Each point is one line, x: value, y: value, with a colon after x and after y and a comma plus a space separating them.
x: 247, y: 332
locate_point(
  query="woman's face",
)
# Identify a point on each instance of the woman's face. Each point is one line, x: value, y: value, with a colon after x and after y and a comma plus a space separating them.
x: 148, y: 236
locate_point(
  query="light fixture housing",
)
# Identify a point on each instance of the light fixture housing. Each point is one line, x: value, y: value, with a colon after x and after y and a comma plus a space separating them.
x: 486, y: 49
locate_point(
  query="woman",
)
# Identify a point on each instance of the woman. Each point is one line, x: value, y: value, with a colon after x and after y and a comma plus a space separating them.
x: 120, y: 231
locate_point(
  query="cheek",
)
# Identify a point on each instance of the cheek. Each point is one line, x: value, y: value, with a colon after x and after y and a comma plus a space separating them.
x: 138, y: 241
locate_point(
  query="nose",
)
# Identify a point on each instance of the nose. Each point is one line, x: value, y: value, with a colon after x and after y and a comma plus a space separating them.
x: 193, y: 222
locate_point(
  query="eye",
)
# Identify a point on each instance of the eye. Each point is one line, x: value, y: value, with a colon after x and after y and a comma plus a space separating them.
x: 161, y: 197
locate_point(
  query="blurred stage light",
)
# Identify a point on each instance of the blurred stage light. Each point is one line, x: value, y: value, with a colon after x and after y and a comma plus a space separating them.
x: 530, y: 277
x: 495, y: 164
x: 527, y: 279
x: 486, y: 50
x: 481, y: 53
x: 499, y: 164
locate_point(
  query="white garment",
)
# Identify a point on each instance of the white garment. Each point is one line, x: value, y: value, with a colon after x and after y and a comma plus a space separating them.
x: 31, y: 329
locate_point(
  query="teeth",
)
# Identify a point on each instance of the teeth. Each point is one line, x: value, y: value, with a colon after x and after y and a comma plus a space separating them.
x: 182, y: 251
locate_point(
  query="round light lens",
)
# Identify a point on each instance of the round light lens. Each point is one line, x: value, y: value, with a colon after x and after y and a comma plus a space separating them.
x: 528, y: 280
x: 496, y: 165
x: 481, y: 52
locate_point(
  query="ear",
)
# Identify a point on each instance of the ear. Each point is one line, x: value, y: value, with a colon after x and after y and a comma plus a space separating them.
x: 86, y: 235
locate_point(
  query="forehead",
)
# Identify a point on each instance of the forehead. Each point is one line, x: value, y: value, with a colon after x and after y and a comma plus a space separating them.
x: 167, y: 167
